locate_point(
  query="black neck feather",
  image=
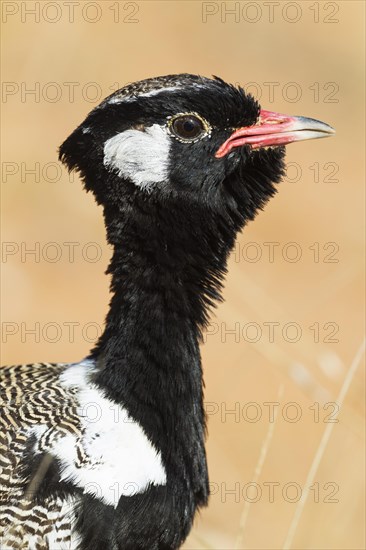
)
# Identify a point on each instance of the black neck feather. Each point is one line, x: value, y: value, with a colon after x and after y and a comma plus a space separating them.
x: 166, y: 273
x: 167, y: 268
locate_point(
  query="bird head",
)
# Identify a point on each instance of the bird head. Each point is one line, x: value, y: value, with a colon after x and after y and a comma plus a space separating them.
x: 185, y: 140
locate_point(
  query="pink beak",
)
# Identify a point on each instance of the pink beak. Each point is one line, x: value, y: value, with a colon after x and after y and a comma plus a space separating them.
x: 274, y: 129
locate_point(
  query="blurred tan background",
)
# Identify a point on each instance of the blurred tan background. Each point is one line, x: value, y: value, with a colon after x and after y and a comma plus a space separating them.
x: 295, y: 346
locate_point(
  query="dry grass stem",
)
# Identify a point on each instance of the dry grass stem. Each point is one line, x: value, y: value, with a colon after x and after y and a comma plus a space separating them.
x: 321, y: 448
x: 257, y: 472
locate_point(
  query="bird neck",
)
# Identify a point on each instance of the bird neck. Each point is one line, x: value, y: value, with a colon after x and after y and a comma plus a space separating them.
x: 164, y: 277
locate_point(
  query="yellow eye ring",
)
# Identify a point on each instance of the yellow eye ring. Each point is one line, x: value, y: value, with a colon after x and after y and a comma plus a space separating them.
x: 188, y: 127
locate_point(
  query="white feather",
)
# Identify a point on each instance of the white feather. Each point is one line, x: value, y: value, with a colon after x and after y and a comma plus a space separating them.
x: 140, y: 156
x: 122, y: 459
x: 128, y: 98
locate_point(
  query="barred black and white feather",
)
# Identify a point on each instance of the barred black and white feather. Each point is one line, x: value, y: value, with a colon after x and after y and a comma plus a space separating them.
x: 32, y: 397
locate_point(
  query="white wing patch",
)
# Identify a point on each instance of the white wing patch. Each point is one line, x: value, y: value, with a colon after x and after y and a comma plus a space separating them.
x: 140, y: 156
x: 122, y: 460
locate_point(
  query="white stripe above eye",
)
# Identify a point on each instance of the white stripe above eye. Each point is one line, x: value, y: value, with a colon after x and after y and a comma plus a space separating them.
x: 123, y: 97
x: 140, y: 156
x: 128, y: 98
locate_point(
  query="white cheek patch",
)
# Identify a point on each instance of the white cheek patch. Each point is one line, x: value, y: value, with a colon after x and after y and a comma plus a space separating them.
x: 141, y: 157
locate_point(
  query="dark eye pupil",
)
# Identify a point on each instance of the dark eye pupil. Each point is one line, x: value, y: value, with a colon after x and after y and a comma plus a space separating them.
x: 188, y: 127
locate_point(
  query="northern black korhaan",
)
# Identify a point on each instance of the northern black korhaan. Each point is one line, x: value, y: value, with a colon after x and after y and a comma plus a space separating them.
x: 108, y: 453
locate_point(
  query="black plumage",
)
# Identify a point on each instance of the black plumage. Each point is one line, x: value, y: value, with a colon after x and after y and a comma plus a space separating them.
x: 172, y: 214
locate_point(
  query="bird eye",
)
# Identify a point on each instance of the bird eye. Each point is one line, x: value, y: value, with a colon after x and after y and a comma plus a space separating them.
x: 188, y: 127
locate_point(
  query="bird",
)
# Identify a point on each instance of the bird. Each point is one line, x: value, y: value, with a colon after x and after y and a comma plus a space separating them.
x: 109, y: 452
